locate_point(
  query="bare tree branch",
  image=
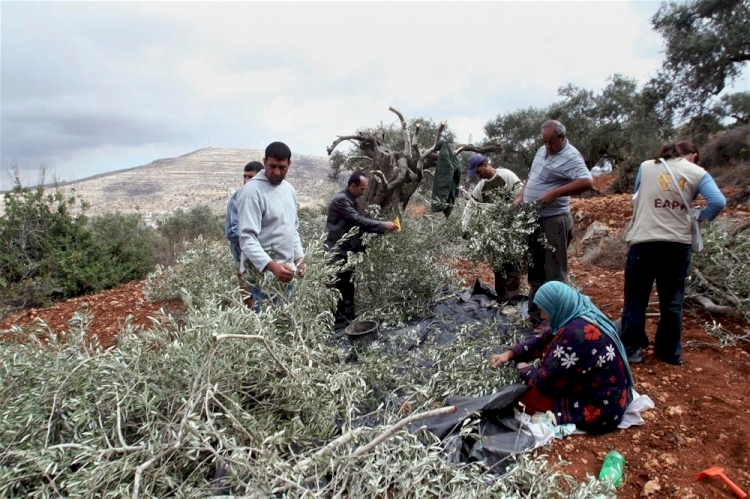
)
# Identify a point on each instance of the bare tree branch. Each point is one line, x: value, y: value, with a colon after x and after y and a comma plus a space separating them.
x: 420, y: 163
x: 348, y: 161
x: 401, y: 424
x: 404, y: 131
x: 485, y: 149
x: 726, y: 295
x: 714, y: 308
x: 328, y: 449
x: 381, y: 177
x: 403, y: 169
x: 341, y: 139
x: 417, y: 129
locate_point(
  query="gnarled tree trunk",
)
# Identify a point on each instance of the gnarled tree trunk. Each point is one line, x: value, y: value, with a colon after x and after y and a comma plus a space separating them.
x: 395, y: 175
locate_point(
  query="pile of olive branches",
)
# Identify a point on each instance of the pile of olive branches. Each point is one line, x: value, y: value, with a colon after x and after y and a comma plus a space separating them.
x: 220, y: 400
x: 400, y: 275
x: 499, y: 233
x: 720, y: 274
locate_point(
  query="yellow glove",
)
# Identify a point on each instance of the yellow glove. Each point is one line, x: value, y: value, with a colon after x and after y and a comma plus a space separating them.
x: 398, y: 224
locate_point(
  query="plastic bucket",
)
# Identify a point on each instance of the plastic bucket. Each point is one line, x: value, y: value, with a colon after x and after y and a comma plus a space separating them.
x: 361, y: 333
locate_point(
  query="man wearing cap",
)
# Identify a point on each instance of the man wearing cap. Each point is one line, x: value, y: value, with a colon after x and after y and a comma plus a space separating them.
x: 557, y: 172
x: 508, y: 277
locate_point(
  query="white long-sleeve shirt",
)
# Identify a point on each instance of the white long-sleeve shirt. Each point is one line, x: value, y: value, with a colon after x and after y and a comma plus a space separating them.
x: 502, y: 179
x: 268, y: 222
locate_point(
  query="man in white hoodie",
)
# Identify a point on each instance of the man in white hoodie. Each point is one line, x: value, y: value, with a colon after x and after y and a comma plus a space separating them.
x: 268, y: 222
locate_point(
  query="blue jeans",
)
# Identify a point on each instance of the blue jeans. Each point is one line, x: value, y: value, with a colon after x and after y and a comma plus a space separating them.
x: 667, y: 263
x: 257, y: 295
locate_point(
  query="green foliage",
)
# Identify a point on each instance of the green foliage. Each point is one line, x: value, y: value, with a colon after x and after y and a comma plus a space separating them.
x: 708, y: 122
x: 707, y: 46
x: 399, y: 274
x: 617, y: 126
x: 125, y: 246
x: 722, y: 270
x: 727, y: 148
x: 181, y: 226
x: 519, y: 133
x: 186, y: 409
x: 36, y: 224
x: 51, y: 251
x: 735, y: 106
x: 202, y: 271
x: 500, y: 233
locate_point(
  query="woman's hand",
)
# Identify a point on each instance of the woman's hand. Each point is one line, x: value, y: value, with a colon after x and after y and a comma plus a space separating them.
x: 501, y: 358
x: 522, y: 365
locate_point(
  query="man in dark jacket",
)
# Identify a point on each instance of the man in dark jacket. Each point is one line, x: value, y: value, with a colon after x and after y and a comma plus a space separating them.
x: 343, y: 216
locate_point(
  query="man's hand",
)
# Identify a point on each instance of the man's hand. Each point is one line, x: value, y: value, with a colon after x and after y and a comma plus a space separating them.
x: 519, y: 198
x: 548, y: 197
x: 281, y: 271
x: 390, y: 226
x: 501, y: 358
x: 301, y: 267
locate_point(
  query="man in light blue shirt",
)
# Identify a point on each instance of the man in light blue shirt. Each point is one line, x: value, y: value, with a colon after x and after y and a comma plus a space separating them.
x: 231, y: 225
x: 557, y: 172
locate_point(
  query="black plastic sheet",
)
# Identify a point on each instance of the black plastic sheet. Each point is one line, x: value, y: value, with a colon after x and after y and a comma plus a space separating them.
x: 499, y: 435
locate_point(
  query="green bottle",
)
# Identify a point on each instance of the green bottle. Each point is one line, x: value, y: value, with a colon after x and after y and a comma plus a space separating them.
x: 613, y: 468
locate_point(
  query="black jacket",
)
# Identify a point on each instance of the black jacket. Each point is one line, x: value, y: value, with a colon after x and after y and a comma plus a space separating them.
x: 342, y: 216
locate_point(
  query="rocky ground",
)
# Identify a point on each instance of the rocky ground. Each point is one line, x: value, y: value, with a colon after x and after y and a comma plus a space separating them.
x: 702, y: 415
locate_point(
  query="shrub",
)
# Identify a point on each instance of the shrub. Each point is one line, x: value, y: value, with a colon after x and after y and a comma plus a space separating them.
x: 50, y: 250
x: 182, y: 226
x: 36, y: 227
x: 126, y: 246
x: 727, y: 148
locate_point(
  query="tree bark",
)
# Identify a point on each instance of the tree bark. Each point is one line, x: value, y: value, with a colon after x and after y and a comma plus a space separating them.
x: 395, y: 175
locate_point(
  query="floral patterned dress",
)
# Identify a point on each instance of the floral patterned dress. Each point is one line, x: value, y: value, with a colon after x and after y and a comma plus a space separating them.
x: 581, y: 371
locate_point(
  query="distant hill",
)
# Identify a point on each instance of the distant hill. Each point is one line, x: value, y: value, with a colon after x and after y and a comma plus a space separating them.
x: 206, y: 176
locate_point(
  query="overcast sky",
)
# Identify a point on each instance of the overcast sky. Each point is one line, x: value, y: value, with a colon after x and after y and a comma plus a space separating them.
x: 92, y: 87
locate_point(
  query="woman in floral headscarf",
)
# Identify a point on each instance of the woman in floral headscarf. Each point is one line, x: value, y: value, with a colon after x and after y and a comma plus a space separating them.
x: 584, y: 377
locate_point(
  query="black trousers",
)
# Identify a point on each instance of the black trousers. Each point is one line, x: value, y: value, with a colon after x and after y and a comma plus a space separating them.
x: 345, y: 308
x: 667, y: 263
x: 549, y: 264
x: 507, y: 282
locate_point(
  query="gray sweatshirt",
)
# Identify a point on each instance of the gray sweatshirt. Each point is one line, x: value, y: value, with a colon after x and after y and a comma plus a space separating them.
x: 268, y: 223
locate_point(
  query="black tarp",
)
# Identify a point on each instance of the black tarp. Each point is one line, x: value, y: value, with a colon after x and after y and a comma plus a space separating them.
x: 499, y: 434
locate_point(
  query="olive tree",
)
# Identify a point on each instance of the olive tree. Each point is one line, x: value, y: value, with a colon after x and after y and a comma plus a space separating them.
x: 707, y: 46
x: 396, y: 165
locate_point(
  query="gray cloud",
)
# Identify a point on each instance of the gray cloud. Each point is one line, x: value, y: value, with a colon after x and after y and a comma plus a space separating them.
x: 90, y: 86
